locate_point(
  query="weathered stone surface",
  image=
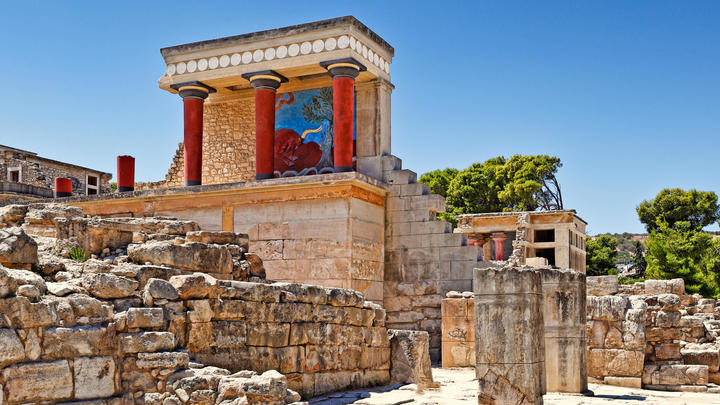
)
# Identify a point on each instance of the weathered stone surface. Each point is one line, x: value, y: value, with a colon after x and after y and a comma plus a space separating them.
x: 615, y: 363
x: 171, y: 360
x: 24, y: 277
x: 218, y: 237
x: 410, y: 357
x: 161, y: 289
x: 61, y: 289
x: 109, y: 286
x: 21, y: 313
x: 17, y: 249
x: 702, y: 354
x: 29, y: 382
x: 196, y: 285
x: 8, y: 284
x: 147, y: 342
x: 607, y: 308
x: 602, y: 285
x: 11, y: 348
x: 94, y: 377
x: 188, y: 256
x: 12, y: 215
x: 147, y: 318
x: 675, y: 374
x: 59, y: 342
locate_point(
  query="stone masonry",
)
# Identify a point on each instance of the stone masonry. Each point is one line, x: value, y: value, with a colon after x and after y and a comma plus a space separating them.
x: 651, y: 334
x: 181, y: 316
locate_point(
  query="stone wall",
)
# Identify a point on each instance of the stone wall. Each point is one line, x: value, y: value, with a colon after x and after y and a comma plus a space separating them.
x: 228, y: 146
x: 458, y: 330
x: 424, y: 260
x: 153, y: 325
x: 652, y: 334
x: 42, y: 172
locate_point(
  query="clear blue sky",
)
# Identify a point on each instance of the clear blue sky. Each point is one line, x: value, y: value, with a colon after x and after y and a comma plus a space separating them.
x: 627, y: 94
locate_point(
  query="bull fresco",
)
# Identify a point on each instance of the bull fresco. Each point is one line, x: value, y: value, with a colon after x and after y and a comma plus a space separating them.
x: 304, y: 133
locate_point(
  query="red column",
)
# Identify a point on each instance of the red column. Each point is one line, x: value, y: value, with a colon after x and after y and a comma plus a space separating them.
x: 265, y: 84
x: 125, y: 173
x: 498, y: 238
x: 63, y: 187
x: 193, y: 95
x: 264, y: 133
x: 343, y: 73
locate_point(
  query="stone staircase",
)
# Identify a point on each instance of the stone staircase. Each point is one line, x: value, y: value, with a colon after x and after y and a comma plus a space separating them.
x: 423, y: 258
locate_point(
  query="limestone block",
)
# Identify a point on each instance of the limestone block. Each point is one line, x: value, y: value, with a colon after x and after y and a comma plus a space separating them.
x: 94, y: 377
x: 8, y: 285
x: 667, y: 319
x: 28, y: 278
x: 410, y: 357
x: 565, y: 364
x: 23, y: 314
x: 703, y: 354
x: 606, y: 308
x: 628, y: 382
x: 34, y: 382
x: 59, y: 342
x: 104, y: 285
x: 669, y: 302
x: 196, y: 285
x: 270, y: 292
x: 167, y: 360
x: 615, y: 362
x: 668, y: 351
x: 94, y: 310
x: 11, y: 348
x: 192, y: 256
x: 268, y: 334
x: 218, y: 237
x: 495, y: 386
x: 12, y: 215
x: 146, y: 318
x: 602, y: 285
x: 17, y: 249
x: 62, y: 289
x: 662, y: 334
x: 146, y: 342
x: 458, y: 354
x: 633, y: 335
x: 160, y: 289
x: 675, y: 374
x: 227, y: 334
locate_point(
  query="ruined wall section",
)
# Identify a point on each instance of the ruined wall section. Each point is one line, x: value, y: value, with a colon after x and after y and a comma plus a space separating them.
x: 678, y: 334
x: 228, y: 146
x: 42, y: 172
x: 423, y: 258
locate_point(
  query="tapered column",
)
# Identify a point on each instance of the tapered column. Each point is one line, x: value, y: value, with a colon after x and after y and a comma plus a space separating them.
x: 265, y: 84
x: 125, y: 173
x: 193, y: 95
x: 63, y: 187
x: 498, y: 238
x: 343, y: 72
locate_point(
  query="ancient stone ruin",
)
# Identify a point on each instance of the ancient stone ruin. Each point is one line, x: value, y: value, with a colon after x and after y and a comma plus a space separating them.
x: 135, y: 310
x: 652, y: 334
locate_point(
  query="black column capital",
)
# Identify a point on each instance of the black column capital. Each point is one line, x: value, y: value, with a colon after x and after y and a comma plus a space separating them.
x: 194, y: 89
x: 265, y: 79
x: 346, y: 67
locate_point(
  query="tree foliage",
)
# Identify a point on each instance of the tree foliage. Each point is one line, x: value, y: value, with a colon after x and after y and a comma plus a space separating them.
x: 521, y: 183
x: 601, y: 253
x: 683, y: 251
x: 439, y: 180
x: 672, y: 206
x: 639, y: 263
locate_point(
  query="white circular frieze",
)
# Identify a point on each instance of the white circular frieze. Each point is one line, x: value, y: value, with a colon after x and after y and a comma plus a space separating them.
x: 181, y: 68
x: 353, y: 43
x: 364, y: 51
x: 226, y: 60
x: 258, y: 55
x: 213, y: 63
x: 343, y: 42
x: 247, y: 57
x: 376, y: 59
x: 270, y: 54
x: 202, y: 65
x: 170, y: 69
x: 293, y: 50
x: 281, y: 51
x: 318, y: 45
x: 387, y: 68
x: 191, y: 66
x: 330, y: 44
x: 305, y: 48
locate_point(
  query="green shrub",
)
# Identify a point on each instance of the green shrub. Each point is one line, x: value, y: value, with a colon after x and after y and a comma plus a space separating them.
x: 78, y: 254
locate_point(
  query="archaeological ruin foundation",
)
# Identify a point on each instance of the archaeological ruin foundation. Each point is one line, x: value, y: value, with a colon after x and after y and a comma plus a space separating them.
x: 287, y: 254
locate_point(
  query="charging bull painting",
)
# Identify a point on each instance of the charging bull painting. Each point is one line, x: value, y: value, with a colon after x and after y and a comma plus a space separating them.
x: 304, y: 133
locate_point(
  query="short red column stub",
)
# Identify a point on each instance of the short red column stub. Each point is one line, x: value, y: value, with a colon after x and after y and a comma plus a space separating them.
x: 63, y: 187
x: 125, y: 173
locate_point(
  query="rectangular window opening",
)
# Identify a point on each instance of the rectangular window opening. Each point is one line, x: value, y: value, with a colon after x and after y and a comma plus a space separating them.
x: 544, y: 235
x: 548, y: 253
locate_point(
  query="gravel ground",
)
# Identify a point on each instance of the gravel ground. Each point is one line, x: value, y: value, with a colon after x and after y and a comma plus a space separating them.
x: 458, y: 386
